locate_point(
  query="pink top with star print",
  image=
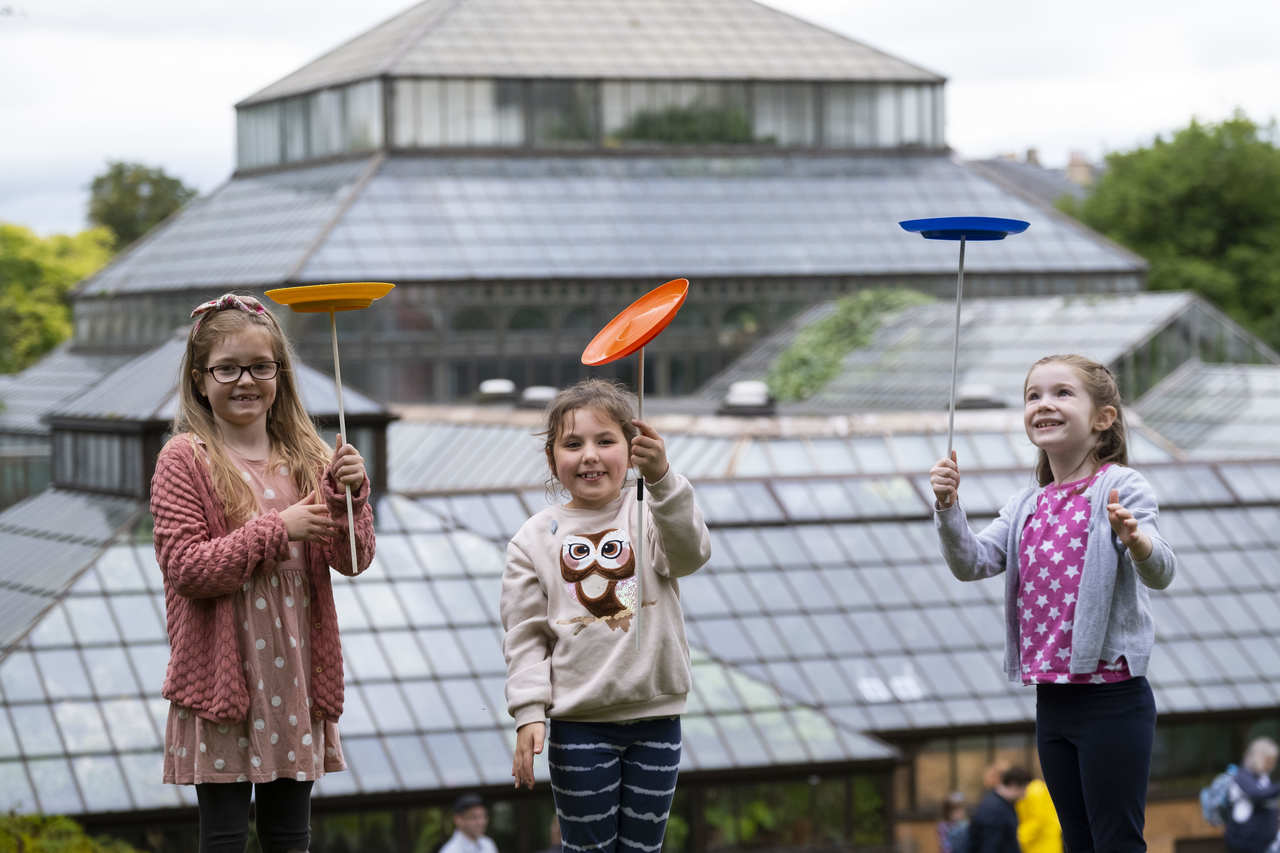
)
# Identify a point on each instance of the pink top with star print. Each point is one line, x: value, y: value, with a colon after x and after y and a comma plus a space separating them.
x: 1053, y: 544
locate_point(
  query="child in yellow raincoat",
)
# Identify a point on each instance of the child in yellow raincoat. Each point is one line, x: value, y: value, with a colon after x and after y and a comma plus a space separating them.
x: 1038, y: 828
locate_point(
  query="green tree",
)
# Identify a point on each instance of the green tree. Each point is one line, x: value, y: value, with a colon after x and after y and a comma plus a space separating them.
x: 130, y: 199
x: 1203, y: 208
x: 53, y: 834
x: 36, y: 275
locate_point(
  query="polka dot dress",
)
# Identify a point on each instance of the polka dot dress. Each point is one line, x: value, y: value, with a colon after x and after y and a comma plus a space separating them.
x: 279, y: 739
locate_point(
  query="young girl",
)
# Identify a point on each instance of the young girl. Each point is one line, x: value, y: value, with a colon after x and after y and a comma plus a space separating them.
x: 1079, y: 550
x: 250, y: 513
x: 568, y: 602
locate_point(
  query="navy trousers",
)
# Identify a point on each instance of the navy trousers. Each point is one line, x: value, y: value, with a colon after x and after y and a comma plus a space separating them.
x: 613, y: 782
x: 1095, y: 752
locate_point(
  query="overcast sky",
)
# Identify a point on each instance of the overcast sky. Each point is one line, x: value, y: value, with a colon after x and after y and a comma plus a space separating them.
x: 82, y: 81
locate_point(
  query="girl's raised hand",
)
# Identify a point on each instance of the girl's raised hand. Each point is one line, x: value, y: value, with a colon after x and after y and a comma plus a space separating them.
x: 307, y: 520
x: 528, y: 744
x: 944, y: 477
x: 347, y: 465
x: 649, y: 452
x: 1126, y: 528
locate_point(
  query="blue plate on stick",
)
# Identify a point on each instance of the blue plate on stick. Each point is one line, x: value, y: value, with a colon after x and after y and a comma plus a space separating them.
x: 964, y: 227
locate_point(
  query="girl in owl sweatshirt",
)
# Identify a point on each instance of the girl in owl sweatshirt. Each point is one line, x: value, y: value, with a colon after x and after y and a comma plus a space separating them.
x: 569, y: 599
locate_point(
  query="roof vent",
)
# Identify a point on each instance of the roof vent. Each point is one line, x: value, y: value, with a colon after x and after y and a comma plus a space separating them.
x: 747, y: 397
x: 537, y: 396
x: 979, y: 396
x: 496, y: 391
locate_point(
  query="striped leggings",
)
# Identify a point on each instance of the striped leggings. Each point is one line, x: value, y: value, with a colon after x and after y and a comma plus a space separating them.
x: 613, y: 782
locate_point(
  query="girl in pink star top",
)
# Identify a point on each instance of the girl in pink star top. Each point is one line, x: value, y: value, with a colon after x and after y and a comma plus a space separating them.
x: 1079, y: 551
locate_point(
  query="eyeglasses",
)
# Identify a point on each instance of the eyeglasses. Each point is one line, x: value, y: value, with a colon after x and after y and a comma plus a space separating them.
x: 228, y: 373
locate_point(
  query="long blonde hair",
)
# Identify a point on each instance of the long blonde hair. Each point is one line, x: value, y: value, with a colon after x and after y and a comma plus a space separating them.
x: 294, y: 439
x: 1100, y: 385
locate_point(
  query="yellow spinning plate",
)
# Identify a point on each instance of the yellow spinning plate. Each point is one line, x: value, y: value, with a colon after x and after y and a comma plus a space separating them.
x: 323, y: 298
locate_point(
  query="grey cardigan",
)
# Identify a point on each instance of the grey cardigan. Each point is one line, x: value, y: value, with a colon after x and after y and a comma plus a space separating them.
x: 1113, y: 612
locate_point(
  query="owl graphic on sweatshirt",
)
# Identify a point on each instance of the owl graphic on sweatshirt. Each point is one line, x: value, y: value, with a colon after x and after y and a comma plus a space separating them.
x: 600, y: 569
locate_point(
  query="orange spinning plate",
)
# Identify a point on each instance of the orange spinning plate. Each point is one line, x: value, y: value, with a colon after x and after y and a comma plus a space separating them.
x: 637, y: 324
x: 343, y: 296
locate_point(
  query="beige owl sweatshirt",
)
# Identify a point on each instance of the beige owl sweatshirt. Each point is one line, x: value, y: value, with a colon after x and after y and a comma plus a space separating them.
x: 568, y: 604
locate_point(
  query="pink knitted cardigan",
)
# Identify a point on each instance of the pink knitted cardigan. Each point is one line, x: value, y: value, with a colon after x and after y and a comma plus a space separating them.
x: 205, y: 563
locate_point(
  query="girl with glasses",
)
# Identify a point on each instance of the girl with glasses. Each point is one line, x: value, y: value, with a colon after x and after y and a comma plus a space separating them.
x: 250, y: 514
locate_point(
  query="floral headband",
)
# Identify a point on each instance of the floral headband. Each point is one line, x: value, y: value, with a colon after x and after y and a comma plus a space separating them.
x: 226, y: 300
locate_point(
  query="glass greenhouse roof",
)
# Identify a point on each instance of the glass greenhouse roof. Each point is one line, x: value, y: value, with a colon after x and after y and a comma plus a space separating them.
x: 25, y: 397
x: 451, y: 218
x: 251, y: 232
x: 907, y: 365
x: 1218, y: 410
x: 824, y: 617
x: 121, y: 396
x: 652, y: 39
x: 437, y: 456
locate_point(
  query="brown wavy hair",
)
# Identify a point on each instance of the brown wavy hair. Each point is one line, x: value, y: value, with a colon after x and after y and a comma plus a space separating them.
x: 294, y: 439
x: 611, y: 399
x: 1099, y: 383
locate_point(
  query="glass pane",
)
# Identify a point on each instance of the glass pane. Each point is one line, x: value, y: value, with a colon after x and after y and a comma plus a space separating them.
x: 395, y: 558
x: 109, y: 671
x: 460, y: 602
x: 15, y: 792
x: 142, y: 771
x: 412, y: 761
x: 442, y: 649
x: 90, y: 619
x: 138, y: 618
x: 130, y: 724
x: 82, y: 727
x: 54, y: 785
x: 118, y: 570
x: 368, y: 761
x: 363, y: 657
x: 52, y: 629
x: 150, y: 660
x: 64, y: 676
x: 382, y: 604
x: 388, y: 708
x: 102, y: 784
x: 492, y: 753
x: 36, y: 730
x: 453, y: 760
x: 428, y: 705
x: 407, y: 660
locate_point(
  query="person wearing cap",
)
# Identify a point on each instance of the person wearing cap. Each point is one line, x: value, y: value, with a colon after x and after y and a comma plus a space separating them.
x: 470, y: 819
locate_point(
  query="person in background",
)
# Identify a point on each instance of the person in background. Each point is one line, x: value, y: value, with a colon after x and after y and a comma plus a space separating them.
x: 954, y: 827
x: 1251, y: 827
x: 1038, y: 827
x: 470, y: 820
x: 994, y: 825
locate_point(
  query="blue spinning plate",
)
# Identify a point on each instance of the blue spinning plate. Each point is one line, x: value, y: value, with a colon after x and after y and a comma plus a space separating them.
x: 964, y: 227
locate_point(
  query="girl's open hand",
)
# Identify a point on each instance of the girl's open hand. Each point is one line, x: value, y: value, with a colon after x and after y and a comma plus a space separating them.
x: 528, y: 744
x: 307, y: 520
x: 347, y: 465
x: 649, y: 452
x: 1126, y: 528
x: 944, y: 477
